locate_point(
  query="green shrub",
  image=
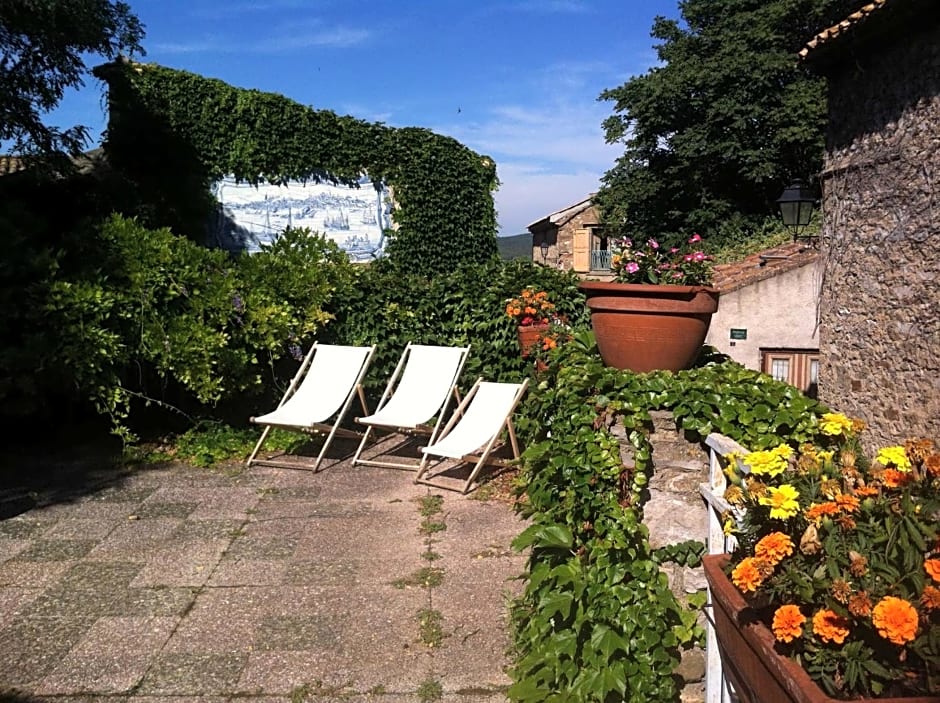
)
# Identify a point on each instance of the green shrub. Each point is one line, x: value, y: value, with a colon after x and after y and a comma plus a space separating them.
x: 597, y: 621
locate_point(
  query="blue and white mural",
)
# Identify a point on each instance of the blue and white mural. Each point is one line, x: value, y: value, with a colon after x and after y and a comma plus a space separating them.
x: 354, y: 218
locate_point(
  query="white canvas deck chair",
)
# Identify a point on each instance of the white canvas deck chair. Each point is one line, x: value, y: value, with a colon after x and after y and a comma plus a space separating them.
x: 324, y: 386
x: 472, y: 432
x: 419, y: 391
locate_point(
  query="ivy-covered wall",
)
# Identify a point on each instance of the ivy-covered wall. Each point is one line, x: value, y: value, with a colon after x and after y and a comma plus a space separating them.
x: 174, y: 133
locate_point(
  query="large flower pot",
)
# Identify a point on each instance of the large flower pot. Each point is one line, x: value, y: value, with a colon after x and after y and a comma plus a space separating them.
x: 645, y: 327
x: 748, y: 657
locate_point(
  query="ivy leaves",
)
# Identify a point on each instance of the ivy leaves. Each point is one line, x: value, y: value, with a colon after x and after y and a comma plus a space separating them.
x: 597, y: 621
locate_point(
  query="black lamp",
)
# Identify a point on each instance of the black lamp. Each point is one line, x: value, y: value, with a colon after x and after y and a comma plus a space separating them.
x: 796, y: 207
x: 544, y: 249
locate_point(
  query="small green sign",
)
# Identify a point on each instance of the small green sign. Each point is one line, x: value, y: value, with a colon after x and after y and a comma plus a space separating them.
x: 738, y: 333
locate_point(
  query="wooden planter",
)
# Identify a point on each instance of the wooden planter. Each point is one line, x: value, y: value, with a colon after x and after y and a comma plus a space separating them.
x: 748, y: 658
x: 644, y: 327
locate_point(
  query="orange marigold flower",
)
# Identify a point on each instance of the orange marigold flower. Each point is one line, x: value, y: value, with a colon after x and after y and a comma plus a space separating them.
x: 860, y: 605
x: 930, y: 598
x: 895, y: 619
x: 830, y: 627
x: 820, y: 510
x: 788, y: 623
x: 918, y: 449
x: 932, y: 464
x: 866, y: 491
x: 933, y: 568
x: 773, y: 547
x: 892, y: 478
x: 847, y: 502
x: 748, y: 575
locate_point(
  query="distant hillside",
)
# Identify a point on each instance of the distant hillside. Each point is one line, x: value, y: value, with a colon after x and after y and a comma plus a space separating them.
x: 518, y: 246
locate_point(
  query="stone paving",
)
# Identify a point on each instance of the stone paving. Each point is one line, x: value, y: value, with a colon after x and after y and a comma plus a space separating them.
x: 183, y: 585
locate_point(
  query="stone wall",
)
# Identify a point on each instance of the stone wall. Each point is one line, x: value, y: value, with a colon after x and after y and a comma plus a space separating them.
x: 675, y: 513
x: 880, y: 299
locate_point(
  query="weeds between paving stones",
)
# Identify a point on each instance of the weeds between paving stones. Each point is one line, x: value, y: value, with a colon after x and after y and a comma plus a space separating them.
x: 430, y: 690
x: 427, y: 576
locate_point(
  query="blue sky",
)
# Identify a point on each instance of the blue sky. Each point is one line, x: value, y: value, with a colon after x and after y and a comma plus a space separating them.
x: 517, y: 80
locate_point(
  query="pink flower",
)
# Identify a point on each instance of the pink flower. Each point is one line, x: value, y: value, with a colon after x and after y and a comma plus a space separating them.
x: 653, y: 244
x: 633, y: 267
x: 694, y: 238
x: 687, y: 257
x: 674, y: 250
x: 699, y: 256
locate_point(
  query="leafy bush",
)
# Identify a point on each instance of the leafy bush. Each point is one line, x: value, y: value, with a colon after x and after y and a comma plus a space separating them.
x: 597, y: 621
x: 150, y: 315
x: 391, y: 308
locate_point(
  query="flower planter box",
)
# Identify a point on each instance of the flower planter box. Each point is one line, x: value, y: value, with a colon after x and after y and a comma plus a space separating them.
x: 644, y: 327
x: 748, y: 658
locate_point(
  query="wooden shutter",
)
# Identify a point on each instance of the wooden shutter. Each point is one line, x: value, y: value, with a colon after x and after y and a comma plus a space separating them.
x: 581, y: 249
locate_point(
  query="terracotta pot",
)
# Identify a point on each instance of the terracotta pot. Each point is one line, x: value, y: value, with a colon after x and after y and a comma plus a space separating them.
x: 644, y: 327
x: 529, y: 337
x: 748, y: 658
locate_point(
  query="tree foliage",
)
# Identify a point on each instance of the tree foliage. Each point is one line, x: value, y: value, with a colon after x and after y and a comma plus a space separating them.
x: 42, y: 43
x: 715, y: 131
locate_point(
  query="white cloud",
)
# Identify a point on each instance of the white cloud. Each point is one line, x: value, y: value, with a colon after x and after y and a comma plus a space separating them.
x: 527, y: 194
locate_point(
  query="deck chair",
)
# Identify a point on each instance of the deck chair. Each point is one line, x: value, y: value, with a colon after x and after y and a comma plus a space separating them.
x: 323, y: 388
x: 419, y: 391
x: 475, y: 427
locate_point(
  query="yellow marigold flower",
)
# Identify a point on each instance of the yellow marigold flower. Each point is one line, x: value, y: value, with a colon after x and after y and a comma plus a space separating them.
x: 766, y: 463
x: 930, y: 598
x: 830, y: 627
x: 782, y: 501
x: 834, y: 424
x: 932, y: 567
x: 895, y: 619
x: 788, y: 623
x: 826, y: 455
x: 748, y: 575
x: 894, y: 456
x: 773, y: 548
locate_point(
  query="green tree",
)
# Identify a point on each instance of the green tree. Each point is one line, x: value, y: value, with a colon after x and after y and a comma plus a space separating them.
x: 42, y: 43
x: 714, y: 132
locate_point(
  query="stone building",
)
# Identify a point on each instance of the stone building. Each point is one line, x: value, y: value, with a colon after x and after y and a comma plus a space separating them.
x: 880, y: 296
x: 766, y: 317
x: 574, y: 239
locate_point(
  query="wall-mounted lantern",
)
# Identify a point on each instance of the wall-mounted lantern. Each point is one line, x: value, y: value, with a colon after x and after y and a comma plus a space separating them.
x: 796, y: 207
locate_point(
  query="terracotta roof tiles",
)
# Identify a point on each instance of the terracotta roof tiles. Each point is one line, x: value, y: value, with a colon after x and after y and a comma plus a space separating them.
x: 763, y: 265
x: 845, y: 25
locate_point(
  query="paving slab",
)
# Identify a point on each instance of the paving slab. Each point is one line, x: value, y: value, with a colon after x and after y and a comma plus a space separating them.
x: 171, y: 584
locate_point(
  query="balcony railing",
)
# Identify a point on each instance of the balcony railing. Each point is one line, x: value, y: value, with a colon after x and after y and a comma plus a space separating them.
x: 600, y: 260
